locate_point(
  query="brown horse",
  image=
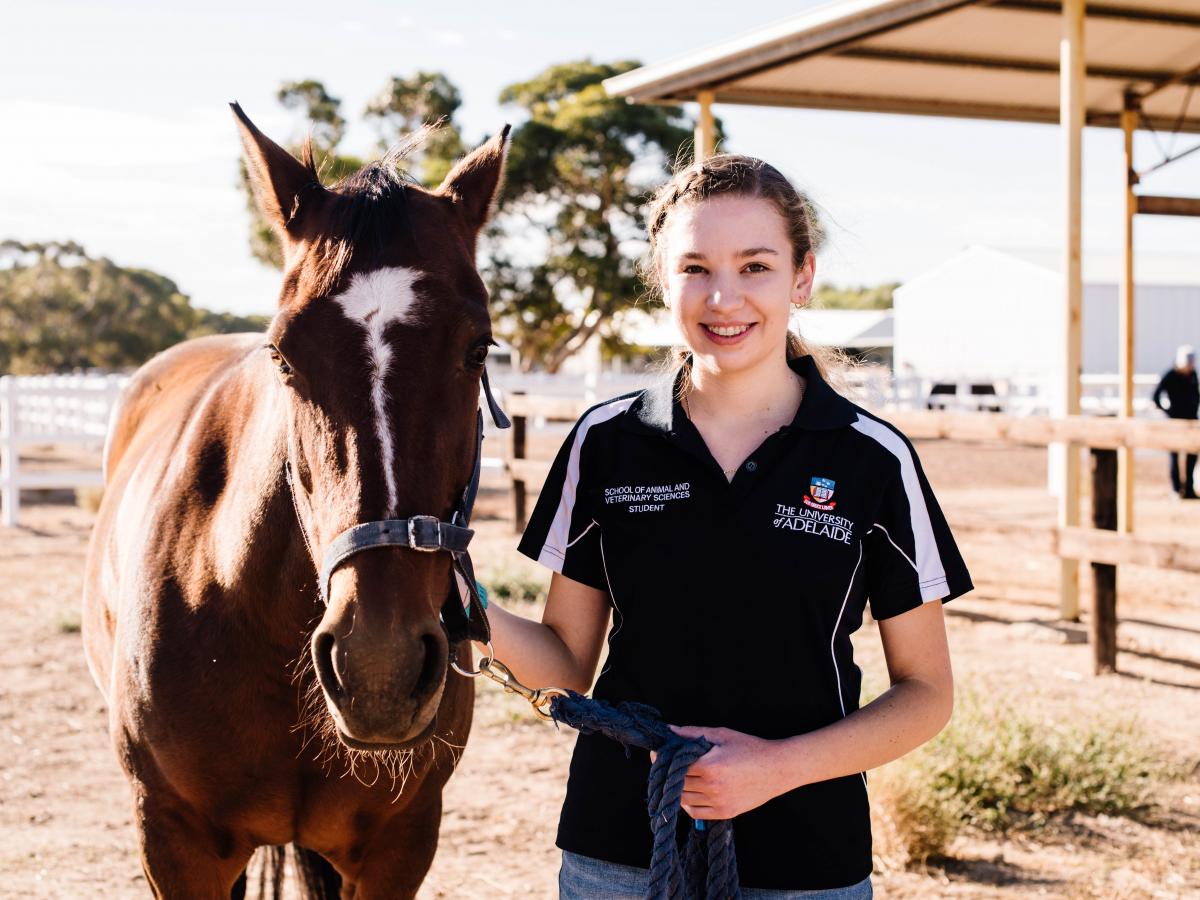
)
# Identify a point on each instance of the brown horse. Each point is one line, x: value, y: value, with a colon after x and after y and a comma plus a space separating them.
x: 233, y: 464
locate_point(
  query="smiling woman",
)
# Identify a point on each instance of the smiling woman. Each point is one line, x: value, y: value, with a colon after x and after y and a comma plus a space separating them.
x: 735, y: 520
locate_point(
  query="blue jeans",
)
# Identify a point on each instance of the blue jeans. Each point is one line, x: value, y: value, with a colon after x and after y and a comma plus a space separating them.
x: 585, y: 878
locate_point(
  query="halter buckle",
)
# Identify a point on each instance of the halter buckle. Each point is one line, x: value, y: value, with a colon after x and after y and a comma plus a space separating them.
x: 419, y: 529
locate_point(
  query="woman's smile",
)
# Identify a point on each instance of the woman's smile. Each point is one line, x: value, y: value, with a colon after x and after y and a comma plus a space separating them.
x: 726, y: 334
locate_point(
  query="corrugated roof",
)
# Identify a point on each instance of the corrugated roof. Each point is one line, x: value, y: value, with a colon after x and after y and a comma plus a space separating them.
x: 961, y: 58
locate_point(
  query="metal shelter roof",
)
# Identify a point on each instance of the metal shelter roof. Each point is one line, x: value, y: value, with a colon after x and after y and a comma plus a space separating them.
x: 987, y: 59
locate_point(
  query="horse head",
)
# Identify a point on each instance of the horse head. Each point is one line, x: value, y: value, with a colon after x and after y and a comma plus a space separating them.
x: 377, y: 352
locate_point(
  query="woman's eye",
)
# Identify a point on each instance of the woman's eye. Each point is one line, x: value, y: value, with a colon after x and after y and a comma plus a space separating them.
x: 756, y: 267
x: 693, y: 270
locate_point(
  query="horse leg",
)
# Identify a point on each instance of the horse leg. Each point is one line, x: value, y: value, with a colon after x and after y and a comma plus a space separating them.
x: 184, y: 856
x: 399, y: 855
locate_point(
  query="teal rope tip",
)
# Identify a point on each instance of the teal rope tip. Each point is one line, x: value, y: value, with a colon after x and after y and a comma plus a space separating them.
x: 481, y: 593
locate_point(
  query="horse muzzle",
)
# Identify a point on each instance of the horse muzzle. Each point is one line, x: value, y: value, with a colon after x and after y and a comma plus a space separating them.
x: 381, y: 694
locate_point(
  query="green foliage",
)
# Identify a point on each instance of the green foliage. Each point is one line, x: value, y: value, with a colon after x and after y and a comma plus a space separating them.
x: 563, y: 252
x: 319, y: 107
x: 209, y: 322
x: 829, y: 296
x: 996, y: 769
x: 509, y: 586
x: 61, y: 310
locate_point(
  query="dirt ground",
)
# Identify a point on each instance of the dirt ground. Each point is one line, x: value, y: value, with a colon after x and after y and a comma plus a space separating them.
x: 65, y: 820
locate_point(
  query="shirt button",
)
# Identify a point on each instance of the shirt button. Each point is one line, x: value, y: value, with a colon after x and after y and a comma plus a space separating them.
x: 751, y: 466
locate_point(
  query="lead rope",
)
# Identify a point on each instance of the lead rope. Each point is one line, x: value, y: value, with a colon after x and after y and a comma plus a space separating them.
x: 710, y: 871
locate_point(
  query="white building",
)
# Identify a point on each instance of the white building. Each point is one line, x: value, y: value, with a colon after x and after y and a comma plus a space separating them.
x: 985, y: 316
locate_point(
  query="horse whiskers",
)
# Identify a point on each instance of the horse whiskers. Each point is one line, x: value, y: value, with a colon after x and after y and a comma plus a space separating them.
x: 316, y: 724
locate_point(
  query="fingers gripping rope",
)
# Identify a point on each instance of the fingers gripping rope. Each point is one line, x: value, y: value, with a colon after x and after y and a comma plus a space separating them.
x: 711, y: 864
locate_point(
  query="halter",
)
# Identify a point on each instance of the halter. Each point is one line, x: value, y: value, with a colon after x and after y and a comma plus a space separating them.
x: 427, y: 534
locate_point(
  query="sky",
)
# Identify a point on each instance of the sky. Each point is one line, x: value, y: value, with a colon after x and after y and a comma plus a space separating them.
x: 116, y: 131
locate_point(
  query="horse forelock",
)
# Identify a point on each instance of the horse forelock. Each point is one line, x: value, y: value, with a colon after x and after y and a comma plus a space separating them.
x: 363, y: 213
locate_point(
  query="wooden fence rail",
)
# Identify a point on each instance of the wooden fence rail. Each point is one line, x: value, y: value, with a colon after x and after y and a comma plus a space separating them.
x: 1100, y: 545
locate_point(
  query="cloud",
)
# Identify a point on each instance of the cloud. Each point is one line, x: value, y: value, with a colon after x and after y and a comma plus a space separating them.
x: 449, y: 38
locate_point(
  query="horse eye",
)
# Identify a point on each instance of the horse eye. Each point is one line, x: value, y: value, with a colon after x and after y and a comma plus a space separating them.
x: 281, y: 364
x: 478, y: 356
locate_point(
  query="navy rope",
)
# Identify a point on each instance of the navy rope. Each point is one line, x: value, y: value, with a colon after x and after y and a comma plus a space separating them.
x: 710, y: 869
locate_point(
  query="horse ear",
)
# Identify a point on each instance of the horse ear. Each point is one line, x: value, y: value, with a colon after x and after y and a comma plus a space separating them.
x: 278, y: 179
x: 474, y: 183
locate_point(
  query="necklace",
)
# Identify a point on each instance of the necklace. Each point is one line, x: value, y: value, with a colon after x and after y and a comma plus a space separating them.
x: 687, y: 411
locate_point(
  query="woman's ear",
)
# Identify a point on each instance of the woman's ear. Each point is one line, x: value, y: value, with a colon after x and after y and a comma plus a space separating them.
x: 802, y: 284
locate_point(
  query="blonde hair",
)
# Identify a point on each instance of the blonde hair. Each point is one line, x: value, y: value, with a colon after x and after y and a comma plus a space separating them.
x: 730, y: 174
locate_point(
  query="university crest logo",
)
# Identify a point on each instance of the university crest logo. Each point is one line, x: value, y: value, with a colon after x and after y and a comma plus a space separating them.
x: 820, y: 495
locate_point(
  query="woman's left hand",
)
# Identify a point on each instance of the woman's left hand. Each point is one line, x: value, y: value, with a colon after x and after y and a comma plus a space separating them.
x: 738, y: 774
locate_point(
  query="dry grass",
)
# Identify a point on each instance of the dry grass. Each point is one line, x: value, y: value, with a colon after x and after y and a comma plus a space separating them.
x: 998, y: 769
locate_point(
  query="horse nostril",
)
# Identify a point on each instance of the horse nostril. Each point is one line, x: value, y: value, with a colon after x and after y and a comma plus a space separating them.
x: 322, y: 651
x: 433, y: 668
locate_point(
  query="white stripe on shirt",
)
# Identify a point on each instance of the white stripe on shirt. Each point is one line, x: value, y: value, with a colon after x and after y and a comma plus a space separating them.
x: 554, y: 548
x: 931, y: 574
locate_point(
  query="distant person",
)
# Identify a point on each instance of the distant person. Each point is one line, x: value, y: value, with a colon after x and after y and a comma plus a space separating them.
x: 1183, y: 401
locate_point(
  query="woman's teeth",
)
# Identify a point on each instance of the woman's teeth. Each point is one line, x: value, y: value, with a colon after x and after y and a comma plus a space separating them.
x: 727, y: 330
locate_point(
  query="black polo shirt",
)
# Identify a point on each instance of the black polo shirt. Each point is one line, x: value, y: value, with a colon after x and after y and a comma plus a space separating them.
x: 734, y: 602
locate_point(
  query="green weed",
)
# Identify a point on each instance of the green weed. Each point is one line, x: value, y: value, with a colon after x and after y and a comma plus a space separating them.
x: 514, y: 587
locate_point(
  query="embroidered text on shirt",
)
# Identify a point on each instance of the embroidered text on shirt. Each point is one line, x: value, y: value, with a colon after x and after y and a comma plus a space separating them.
x: 643, y: 498
x: 837, y: 528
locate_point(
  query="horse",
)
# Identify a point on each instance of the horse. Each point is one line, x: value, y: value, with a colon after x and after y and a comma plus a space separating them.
x: 244, y: 712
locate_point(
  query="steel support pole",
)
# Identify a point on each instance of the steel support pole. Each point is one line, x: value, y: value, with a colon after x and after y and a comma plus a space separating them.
x: 1125, y: 326
x: 705, y: 137
x: 1071, y: 114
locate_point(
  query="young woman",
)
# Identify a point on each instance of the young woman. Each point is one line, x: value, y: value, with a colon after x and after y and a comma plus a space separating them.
x: 736, y: 520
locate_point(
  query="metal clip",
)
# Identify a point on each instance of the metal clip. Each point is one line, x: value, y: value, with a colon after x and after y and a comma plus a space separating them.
x: 539, y: 698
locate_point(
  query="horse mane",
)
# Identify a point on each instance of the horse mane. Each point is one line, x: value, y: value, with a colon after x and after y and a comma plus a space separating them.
x: 366, y: 207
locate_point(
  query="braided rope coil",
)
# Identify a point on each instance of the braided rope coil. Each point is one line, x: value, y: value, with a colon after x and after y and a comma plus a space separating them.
x: 708, y: 869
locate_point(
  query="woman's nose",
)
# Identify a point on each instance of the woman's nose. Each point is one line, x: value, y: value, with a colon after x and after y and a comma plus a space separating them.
x: 724, y: 293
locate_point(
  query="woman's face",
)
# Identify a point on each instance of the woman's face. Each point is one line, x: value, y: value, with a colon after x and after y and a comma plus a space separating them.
x: 727, y: 274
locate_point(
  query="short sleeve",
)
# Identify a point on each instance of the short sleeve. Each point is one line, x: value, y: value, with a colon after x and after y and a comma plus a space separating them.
x: 562, y: 533
x: 911, y: 556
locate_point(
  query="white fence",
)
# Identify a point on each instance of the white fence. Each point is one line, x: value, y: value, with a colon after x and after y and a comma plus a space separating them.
x: 1100, y: 394
x: 878, y: 388
x: 50, y: 410
x: 46, y: 410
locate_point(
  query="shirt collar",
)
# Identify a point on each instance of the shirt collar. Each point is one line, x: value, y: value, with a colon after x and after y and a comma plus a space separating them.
x: 658, y: 410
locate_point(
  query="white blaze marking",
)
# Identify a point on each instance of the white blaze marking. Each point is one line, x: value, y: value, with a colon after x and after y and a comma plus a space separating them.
x: 375, y: 300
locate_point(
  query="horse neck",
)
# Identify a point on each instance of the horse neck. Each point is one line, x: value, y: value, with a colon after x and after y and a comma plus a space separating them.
x: 259, y: 553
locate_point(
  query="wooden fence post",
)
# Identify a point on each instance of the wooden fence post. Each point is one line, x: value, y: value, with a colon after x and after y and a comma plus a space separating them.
x: 1104, y: 576
x: 518, y: 485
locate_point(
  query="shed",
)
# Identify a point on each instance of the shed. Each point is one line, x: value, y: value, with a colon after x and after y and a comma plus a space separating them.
x: 986, y: 315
